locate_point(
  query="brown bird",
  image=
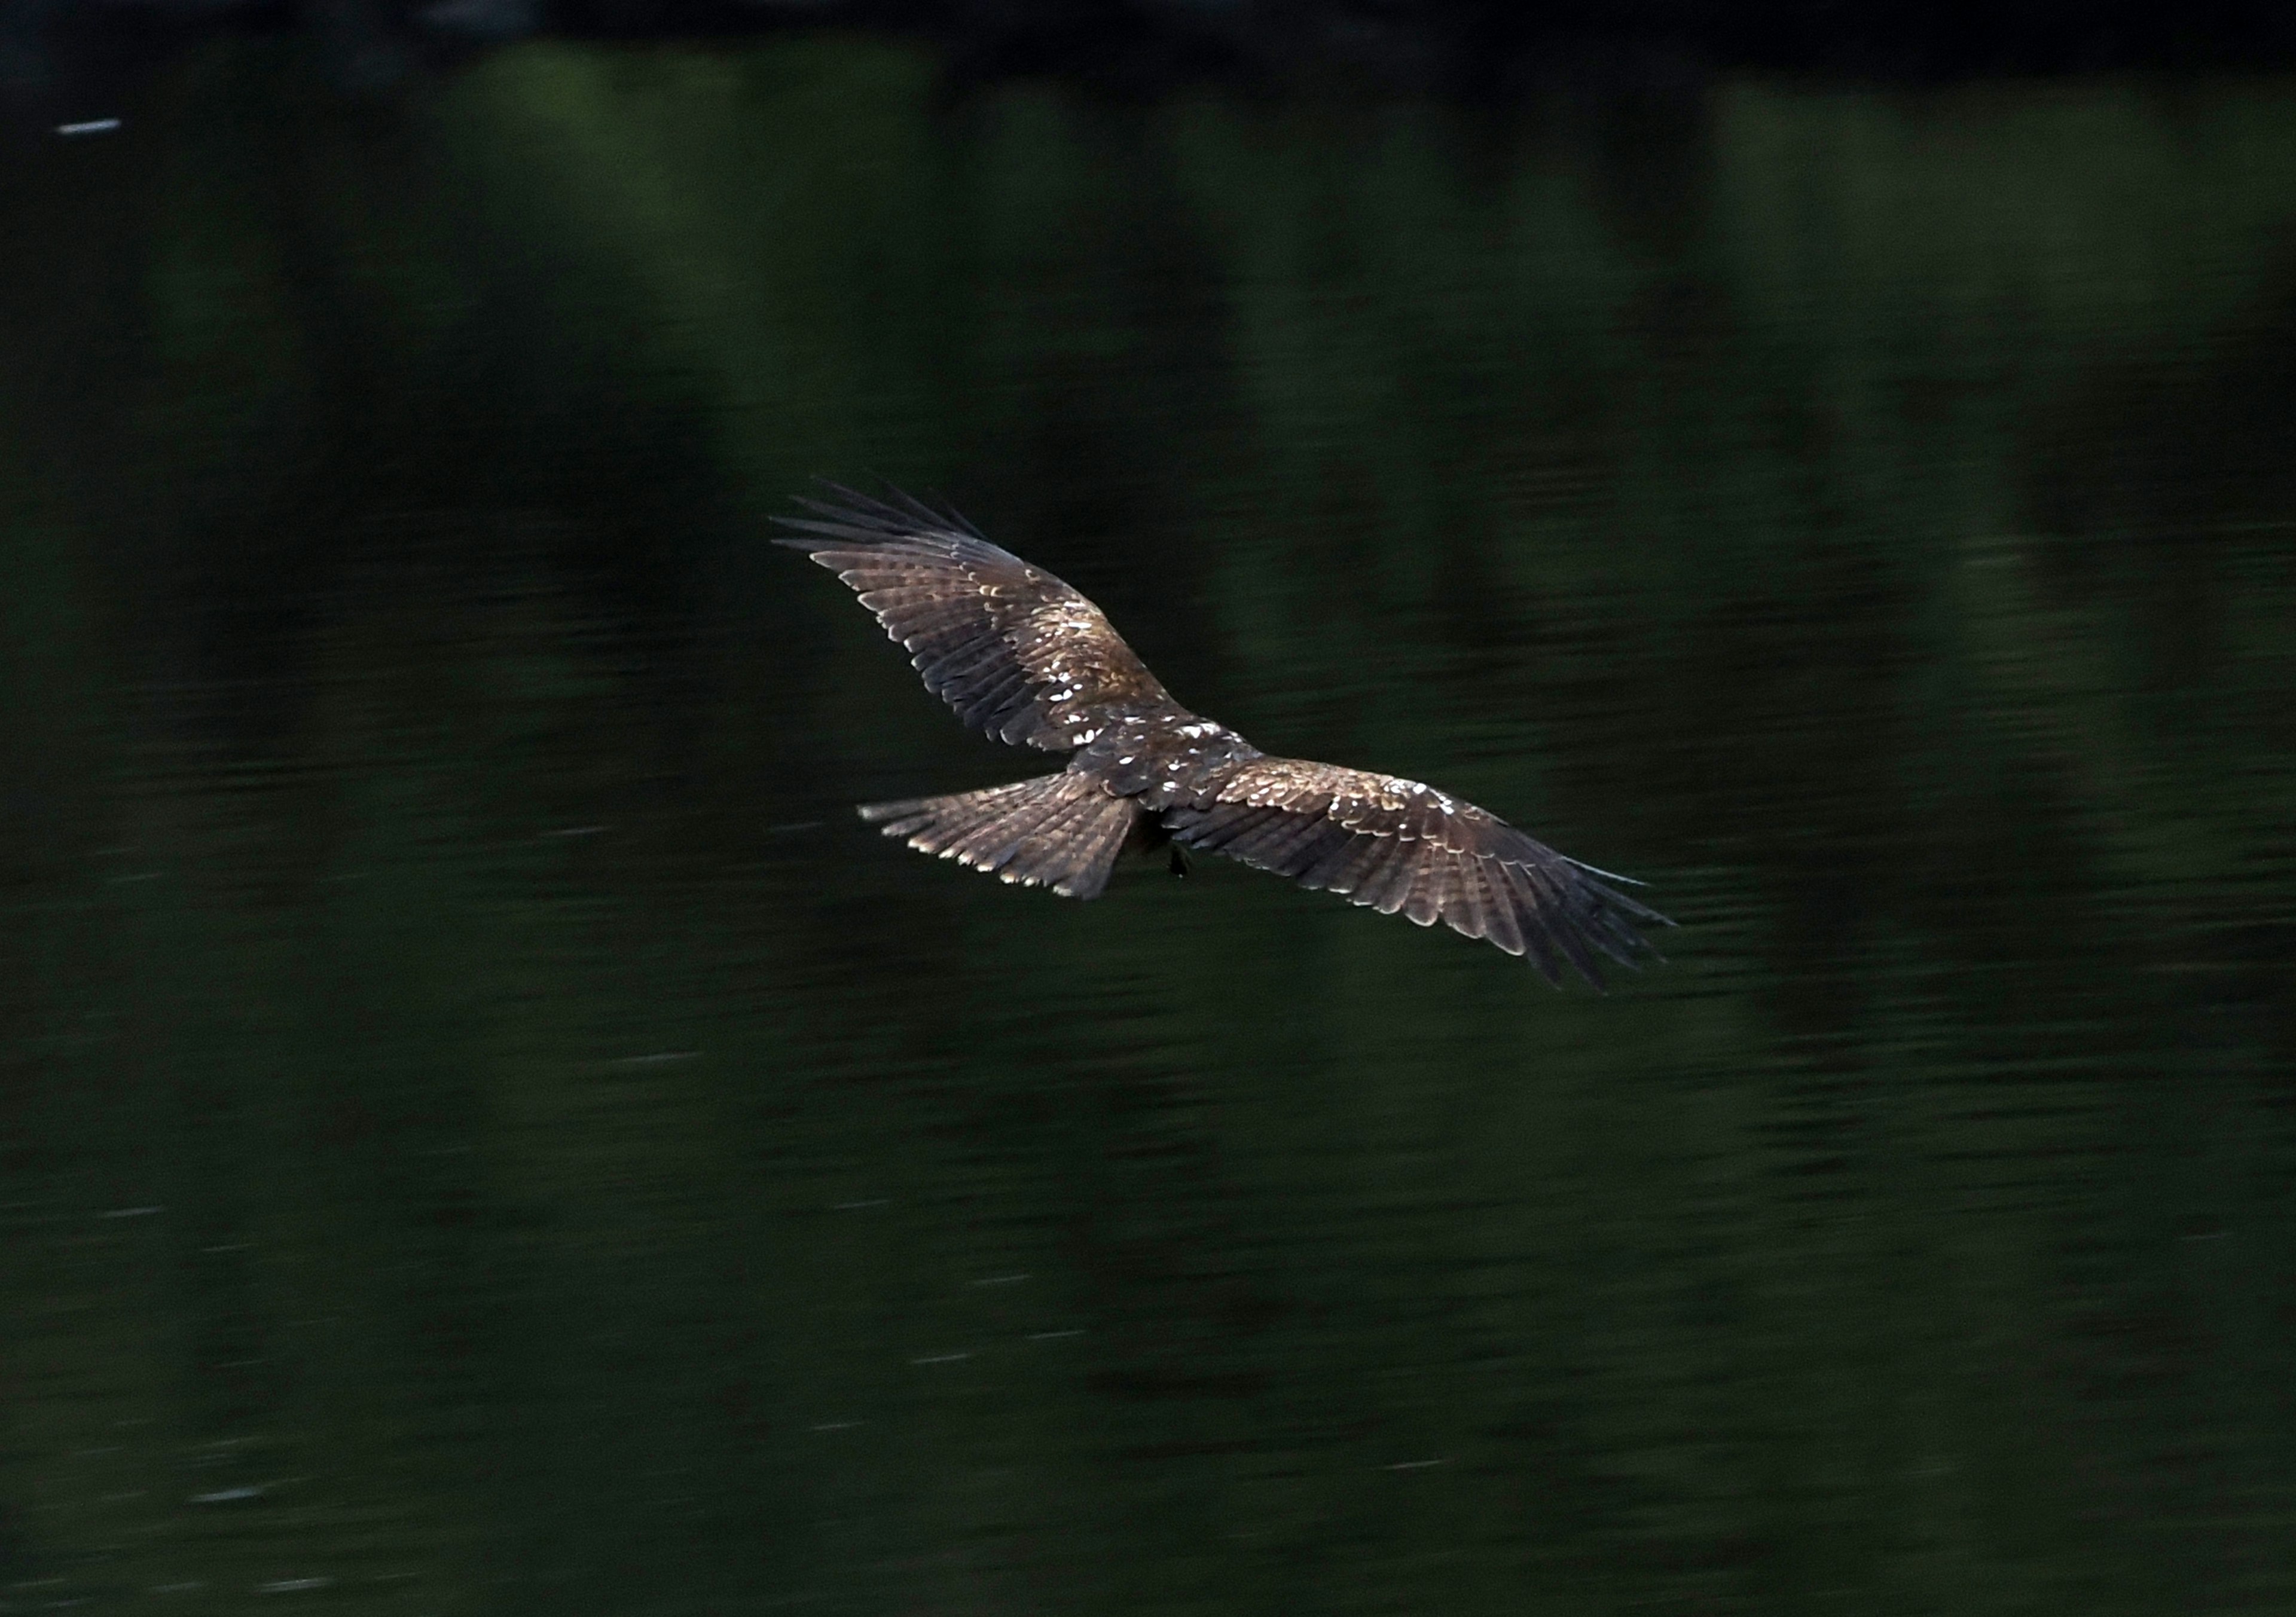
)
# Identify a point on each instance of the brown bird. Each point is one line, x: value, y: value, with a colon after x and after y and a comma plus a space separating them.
x: 1026, y: 659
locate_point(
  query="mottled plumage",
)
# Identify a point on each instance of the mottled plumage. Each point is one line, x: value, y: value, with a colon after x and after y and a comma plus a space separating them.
x: 1022, y: 656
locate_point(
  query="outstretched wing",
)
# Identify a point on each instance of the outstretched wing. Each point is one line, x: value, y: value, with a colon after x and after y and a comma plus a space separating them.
x: 1396, y: 844
x: 1015, y: 651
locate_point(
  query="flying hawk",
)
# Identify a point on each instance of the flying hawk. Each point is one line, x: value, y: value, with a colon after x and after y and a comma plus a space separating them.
x: 1024, y: 657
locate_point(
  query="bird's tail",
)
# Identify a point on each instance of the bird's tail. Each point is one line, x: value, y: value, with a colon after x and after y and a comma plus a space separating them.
x: 1059, y: 831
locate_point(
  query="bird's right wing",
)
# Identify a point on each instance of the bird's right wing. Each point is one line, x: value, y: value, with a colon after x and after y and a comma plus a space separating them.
x: 1393, y: 843
x: 1015, y: 651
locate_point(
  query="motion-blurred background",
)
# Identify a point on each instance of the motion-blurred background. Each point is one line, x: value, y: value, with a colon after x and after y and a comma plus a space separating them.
x: 483, y: 1129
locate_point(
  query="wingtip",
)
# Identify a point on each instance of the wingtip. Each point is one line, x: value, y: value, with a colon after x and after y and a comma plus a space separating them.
x: 895, y: 511
x: 1599, y: 870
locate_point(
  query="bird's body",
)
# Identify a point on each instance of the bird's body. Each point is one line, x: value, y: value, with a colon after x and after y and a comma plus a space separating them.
x: 1022, y: 656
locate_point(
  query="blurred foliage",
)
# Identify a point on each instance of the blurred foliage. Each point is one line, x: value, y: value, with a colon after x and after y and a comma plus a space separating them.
x: 481, y: 1129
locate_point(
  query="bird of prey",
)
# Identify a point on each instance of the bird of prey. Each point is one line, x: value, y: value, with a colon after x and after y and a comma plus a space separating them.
x: 1024, y: 657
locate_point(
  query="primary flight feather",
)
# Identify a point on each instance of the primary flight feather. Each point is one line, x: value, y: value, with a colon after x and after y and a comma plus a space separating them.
x: 1022, y: 656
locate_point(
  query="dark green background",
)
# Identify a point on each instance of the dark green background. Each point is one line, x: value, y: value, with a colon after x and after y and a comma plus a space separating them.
x: 483, y: 1129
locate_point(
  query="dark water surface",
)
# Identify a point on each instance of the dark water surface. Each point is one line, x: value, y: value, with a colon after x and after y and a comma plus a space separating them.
x: 482, y: 1127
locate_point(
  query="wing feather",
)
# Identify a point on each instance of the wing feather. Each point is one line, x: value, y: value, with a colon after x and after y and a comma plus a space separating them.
x: 1396, y: 865
x: 1287, y: 844
x: 1424, y: 903
x: 1359, y: 864
x: 1231, y: 821
x: 1396, y: 844
x: 1502, y: 915
x: 1535, y: 941
x: 1466, y: 915
x: 1015, y: 651
x: 1385, y: 861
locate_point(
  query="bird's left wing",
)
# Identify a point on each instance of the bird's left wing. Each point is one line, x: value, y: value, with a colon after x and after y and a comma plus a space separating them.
x: 1393, y: 843
x: 1016, y: 652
